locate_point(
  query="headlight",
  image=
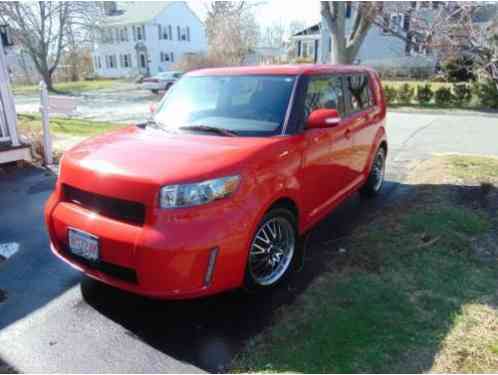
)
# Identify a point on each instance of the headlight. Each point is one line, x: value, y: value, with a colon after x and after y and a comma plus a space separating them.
x: 187, y: 195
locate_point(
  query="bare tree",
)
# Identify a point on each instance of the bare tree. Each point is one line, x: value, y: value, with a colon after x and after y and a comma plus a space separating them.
x: 46, y: 29
x: 274, y: 35
x: 459, y: 38
x: 232, y: 30
x: 345, y: 46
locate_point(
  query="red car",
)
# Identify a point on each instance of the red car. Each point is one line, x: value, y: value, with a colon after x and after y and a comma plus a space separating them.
x: 215, y: 191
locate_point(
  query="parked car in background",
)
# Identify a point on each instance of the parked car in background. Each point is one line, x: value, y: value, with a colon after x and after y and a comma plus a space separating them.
x: 161, y: 82
x: 215, y: 191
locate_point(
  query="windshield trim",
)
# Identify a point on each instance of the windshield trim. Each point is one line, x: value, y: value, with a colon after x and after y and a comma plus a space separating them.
x: 290, y: 102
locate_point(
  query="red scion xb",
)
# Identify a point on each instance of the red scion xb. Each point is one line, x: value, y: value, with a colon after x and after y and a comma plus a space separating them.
x: 215, y: 190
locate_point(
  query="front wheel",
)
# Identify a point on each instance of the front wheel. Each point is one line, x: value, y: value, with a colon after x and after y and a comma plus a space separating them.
x: 375, y: 180
x: 273, y: 250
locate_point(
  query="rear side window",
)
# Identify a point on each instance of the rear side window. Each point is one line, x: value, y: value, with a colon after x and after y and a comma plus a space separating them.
x: 324, y: 92
x: 359, y: 92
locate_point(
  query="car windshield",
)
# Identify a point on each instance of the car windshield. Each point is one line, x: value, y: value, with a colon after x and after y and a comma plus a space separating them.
x: 248, y: 105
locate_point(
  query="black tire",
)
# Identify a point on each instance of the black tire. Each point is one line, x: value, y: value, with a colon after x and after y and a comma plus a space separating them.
x: 373, y: 186
x: 251, y: 282
x: 155, y: 91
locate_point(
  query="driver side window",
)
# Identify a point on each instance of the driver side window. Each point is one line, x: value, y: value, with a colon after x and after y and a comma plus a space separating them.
x: 324, y: 92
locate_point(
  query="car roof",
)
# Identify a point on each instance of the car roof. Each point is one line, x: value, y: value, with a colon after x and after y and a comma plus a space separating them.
x: 297, y: 69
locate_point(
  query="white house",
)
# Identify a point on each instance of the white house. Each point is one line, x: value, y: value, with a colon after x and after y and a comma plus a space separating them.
x: 145, y: 37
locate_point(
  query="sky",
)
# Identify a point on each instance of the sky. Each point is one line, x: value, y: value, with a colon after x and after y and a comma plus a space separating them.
x: 276, y: 11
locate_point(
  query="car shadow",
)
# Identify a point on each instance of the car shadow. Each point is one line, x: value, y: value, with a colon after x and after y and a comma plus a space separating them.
x: 31, y: 270
x: 209, y: 332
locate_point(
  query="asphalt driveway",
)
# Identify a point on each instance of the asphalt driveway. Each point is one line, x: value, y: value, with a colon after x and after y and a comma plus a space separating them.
x: 55, y: 320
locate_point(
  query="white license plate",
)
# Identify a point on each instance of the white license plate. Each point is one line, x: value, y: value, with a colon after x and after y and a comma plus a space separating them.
x: 83, y: 244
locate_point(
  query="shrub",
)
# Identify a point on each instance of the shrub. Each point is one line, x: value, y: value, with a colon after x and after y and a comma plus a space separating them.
x: 462, y: 93
x: 487, y: 92
x: 443, y: 97
x: 193, y: 61
x: 424, y: 94
x: 391, y: 94
x: 405, y: 93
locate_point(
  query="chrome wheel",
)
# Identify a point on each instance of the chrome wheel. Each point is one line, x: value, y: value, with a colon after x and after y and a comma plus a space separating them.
x: 379, y: 170
x: 271, y: 251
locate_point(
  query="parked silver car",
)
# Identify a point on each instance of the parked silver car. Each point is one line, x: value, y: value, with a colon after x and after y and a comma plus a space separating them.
x: 161, y: 82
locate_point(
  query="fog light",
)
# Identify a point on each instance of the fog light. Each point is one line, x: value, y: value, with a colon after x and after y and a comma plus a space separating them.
x: 211, y: 265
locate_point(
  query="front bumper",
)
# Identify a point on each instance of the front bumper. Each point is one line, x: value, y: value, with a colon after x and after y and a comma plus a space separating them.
x: 168, y: 256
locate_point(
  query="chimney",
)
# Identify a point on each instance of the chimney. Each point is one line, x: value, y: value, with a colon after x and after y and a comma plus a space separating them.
x: 110, y: 8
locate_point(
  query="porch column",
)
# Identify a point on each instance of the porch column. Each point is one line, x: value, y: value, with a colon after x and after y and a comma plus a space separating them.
x: 7, y: 99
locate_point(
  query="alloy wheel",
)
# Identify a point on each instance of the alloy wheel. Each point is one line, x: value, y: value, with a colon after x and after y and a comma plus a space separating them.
x: 272, y: 251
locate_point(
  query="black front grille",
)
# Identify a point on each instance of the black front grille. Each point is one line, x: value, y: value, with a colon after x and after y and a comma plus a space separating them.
x: 119, y: 209
x: 118, y: 272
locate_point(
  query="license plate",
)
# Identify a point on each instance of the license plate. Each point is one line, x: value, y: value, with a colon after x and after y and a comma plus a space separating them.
x: 83, y: 244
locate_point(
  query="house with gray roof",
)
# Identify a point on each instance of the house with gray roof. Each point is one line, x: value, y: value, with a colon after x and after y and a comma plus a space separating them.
x: 146, y: 37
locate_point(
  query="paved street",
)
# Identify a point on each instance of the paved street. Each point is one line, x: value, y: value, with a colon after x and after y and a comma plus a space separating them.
x: 55, y: 320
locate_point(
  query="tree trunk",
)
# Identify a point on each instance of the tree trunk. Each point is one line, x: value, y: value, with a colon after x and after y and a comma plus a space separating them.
x: 340, y: 55
x: 47, y: 78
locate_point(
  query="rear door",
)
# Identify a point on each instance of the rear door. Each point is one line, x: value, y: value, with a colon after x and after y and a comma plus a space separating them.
x: 362, y: 119
x: 328, y: 150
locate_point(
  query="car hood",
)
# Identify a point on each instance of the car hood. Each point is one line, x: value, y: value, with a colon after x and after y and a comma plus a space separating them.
x: 132, y: 163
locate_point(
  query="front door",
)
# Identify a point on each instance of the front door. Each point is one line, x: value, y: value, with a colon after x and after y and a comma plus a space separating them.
x: 328, y: 150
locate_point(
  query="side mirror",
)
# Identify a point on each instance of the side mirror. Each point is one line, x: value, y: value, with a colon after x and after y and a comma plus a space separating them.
x: 323, y: 118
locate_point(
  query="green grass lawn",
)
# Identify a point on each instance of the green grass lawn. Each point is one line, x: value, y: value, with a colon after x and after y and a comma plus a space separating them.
x: 69, y: 87
x: 409, y: 295
x: 65, y: 126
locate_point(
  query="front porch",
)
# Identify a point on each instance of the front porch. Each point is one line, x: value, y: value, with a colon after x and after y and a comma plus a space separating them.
x: 9, y: 153
x: 11, y: 148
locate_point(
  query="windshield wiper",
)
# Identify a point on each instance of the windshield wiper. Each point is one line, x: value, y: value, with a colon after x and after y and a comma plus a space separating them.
x: 212, y: 129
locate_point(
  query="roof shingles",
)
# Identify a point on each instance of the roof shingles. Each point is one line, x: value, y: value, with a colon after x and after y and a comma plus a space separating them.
x: 136, y: 12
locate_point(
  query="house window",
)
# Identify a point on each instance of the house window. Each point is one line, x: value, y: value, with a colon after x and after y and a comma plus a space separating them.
x: 125, y: 60
x: 163, y: 32
x: 348, y: 9
x: 307, y: 48
x: 110, y: 62
x: 109, y: 36
x: 183, y: 33
x: 172, y: 57
x: 170, y: 32
x: 123, y: 34
x: 164, y: 57
x: 99, y: 62
x: 395, y: 23
x: 139, y: 32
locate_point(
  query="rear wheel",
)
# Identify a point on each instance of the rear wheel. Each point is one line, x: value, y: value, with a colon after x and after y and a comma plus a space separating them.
x: 273, y: 250
x: 375, y: 180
